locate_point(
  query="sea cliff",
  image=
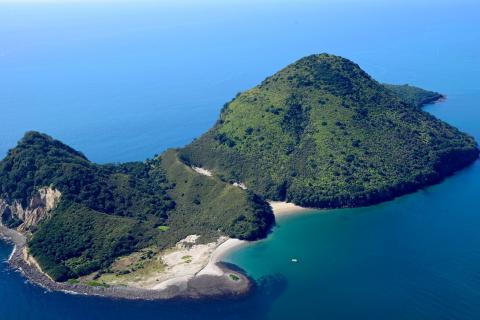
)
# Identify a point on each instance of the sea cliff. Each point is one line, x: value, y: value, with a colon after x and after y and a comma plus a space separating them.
x: 320, y: 133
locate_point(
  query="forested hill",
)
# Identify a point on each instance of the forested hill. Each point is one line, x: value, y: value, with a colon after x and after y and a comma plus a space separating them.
x: 110, y: 210
x: 322, y: 133
x: 413, y: 95
x: 319, y: 133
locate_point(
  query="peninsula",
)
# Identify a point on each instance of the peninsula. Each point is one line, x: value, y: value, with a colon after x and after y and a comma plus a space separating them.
x: 320, y: 133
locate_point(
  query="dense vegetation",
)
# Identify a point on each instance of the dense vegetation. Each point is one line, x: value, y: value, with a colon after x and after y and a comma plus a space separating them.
x: 123, y: 190
x: 318, y: 133
x: 323, y: 133
x: 206, y: 204
x: 110, y: 210
x: 413, y: 95
x: 78, y: 241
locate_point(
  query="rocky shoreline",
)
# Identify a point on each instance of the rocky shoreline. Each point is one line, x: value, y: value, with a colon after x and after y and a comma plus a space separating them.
x: 199, y: 286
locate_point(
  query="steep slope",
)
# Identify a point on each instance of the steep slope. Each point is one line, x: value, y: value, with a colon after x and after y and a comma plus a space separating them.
x: 323, y: 133
x: 99, y: 212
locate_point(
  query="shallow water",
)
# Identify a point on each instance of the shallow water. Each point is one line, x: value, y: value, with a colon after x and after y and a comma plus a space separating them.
x: 123, y: 82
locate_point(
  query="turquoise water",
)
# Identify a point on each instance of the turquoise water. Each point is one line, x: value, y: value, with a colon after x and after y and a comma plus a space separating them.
x: 123, y: 82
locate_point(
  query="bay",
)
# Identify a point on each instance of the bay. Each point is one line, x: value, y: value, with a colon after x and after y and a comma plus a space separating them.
x: 123, y: 82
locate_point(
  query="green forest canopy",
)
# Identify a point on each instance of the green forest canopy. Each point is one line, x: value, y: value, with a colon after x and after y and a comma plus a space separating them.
x: 321, y: 133
x: 110, y: 210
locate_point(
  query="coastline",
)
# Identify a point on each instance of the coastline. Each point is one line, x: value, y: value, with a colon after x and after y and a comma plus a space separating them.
x: 213, y: 282
x: 214, y: 279
x: 220, y: 252
x: 281, y: 208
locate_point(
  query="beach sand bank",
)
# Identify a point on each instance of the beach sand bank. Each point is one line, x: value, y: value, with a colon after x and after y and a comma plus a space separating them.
x: 192, y: 270
x: 210, y: 280
x: 281, y: 208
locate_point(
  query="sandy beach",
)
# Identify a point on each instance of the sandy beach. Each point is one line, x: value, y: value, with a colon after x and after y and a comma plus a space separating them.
x: 281, y: 208
x: 212, y: 268
x: 188, y: 270
x: 216, y: 280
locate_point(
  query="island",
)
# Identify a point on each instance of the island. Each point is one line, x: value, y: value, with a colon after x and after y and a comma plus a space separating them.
x: 321, y: 133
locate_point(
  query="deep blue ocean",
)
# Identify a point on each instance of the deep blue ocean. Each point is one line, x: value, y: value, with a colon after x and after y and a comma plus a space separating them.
x: 122, y: 81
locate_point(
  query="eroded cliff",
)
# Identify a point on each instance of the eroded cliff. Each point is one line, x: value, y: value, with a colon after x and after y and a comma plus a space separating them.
x: 39, y: 207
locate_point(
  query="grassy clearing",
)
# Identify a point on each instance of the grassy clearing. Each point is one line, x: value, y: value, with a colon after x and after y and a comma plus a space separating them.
x: 73, y: 281
x: 234, y: 277
x: 187, y: 259
x: 110, y: 210
x: 134, y: 268
x: 97, y: 284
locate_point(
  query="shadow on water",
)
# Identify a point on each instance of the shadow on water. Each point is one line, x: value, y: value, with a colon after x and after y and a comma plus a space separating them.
x: 40, y: 304
x: 255, y: 305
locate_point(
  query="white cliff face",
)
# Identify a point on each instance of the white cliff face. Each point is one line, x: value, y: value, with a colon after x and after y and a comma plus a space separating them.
x: 40, y: 206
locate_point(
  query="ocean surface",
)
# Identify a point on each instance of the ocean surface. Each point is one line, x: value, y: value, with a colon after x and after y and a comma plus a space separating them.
x: 123, y: 82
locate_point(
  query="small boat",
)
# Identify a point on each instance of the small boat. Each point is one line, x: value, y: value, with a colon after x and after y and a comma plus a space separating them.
x: 294, y: 260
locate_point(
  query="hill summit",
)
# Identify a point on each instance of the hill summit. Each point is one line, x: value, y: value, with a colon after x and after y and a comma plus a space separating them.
x: 322, y: 133
x: 319, y: 133
x: 80, y: 216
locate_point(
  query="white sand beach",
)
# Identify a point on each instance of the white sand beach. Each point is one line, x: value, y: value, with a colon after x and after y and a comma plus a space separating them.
x: 177, y: 266
x: 281, y: 208
x: 182, y: 273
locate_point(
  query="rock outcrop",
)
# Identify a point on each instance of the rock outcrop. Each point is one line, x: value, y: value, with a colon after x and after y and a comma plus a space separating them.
x: 39, y: 207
